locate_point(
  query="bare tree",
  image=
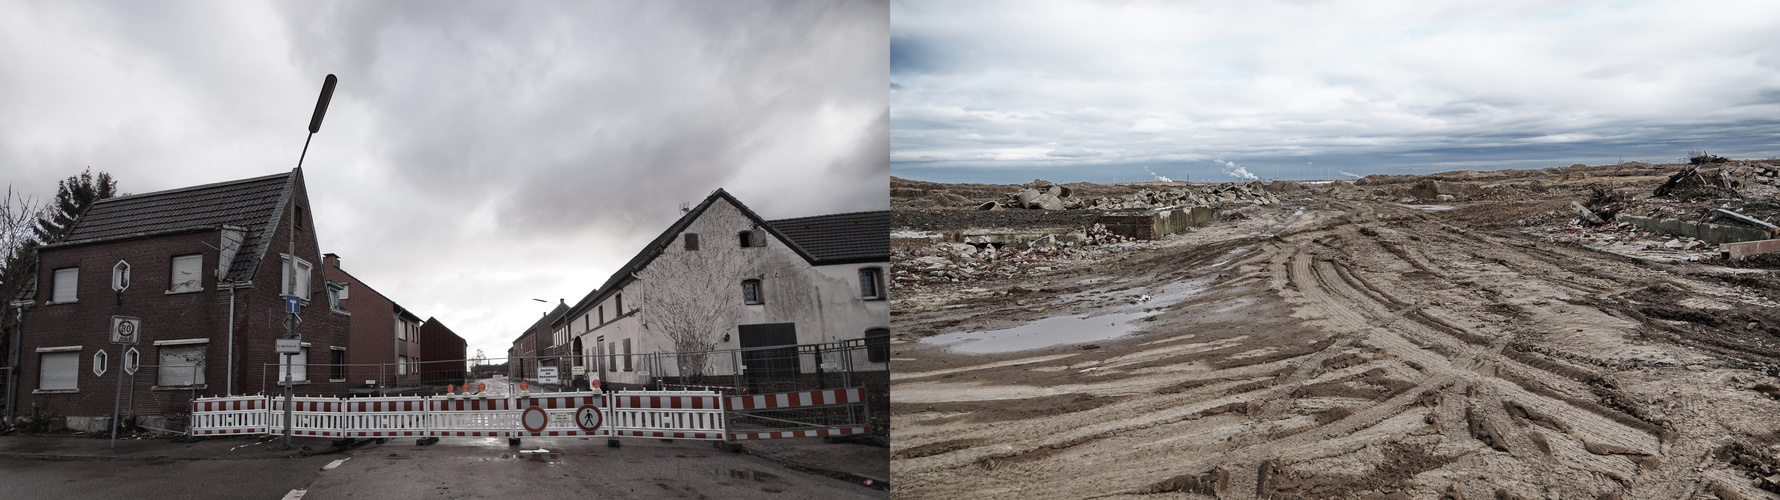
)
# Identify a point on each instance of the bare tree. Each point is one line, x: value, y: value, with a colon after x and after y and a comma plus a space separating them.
x: 692, y: 296
x: 18, y: 248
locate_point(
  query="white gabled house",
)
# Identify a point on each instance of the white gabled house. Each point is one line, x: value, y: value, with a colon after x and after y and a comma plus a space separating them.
x: 721, y: 277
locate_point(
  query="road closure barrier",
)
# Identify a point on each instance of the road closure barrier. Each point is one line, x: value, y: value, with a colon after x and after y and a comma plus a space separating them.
x: 699, y: 415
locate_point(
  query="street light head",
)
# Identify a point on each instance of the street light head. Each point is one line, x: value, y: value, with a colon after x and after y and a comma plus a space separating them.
x: 321, y: 105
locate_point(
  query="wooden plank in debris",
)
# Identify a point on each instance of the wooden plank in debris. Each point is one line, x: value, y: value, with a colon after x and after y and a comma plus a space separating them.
x: 1739, y: 251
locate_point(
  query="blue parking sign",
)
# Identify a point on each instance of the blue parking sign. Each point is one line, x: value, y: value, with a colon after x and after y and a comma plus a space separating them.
x: 292, y: 305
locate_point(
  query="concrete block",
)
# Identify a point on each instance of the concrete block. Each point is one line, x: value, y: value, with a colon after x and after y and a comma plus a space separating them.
x: 1745, y: 249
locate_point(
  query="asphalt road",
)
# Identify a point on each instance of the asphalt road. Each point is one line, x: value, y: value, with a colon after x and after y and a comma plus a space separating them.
x: 157, y: 479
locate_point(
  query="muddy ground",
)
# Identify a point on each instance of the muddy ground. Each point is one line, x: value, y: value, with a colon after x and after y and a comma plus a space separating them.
x: 1345, y: 345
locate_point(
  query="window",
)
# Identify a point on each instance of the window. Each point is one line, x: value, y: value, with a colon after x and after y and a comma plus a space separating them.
x: 751, y: 291
x: 602, y: 315
x: 299, y: 365
x: 618, y: 310
x: 877, y: 345
x: 299, y: 218
x: 691, y: 242
x: 336, y: 293
x: 401, y: 365
x: 599, y: 353
x: 747, y: 238
x: 612, y: 352
x: 297, y: 283
x: 66, y: 281
x: 60, y: 370
x: 186, y: 275
x: 182, y: 365
x: 627, y: 355
x: 337, y: 360
x: 871, y: 283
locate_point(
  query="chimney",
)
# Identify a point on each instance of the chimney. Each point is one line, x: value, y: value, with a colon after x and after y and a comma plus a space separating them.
x: 330, y: 261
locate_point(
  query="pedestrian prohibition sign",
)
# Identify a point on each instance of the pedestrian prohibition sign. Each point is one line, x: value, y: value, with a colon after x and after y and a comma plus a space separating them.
x: 588, y: 418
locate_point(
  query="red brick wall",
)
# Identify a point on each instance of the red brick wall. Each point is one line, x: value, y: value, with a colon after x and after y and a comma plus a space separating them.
x: 439, y: 343
x: 373, y: 329
x: 258, y: 321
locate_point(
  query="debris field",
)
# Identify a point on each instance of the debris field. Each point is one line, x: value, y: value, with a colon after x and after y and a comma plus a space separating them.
x: 1457, y: 335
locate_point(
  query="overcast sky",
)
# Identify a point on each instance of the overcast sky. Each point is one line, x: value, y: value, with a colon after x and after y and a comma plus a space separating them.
x: 1218, y: 91
x: 476, y: 155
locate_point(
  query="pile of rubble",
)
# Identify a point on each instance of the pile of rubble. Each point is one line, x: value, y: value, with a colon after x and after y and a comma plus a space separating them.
x: 1723, y: 179
x: 1043, y: 195
x: 1627, y: 239
x: 963, y: 262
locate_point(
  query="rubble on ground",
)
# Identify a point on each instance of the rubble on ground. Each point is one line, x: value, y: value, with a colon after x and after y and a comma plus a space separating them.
x: 1044, y: 195
x: 947, y: 262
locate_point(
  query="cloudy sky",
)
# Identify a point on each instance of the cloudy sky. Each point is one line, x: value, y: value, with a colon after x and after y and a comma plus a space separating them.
x: 1068, y: 90
x: 476, y: 155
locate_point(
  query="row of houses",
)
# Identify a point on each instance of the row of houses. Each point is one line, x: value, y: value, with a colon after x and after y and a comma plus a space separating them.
x: 722, y: 277
x: 195, y: 277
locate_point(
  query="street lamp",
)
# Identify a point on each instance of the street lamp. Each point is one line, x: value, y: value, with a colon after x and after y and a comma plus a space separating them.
x: 290, y: 326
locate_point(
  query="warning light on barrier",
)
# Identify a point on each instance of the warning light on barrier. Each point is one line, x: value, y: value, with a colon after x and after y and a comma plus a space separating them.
x: 523, y: 387
x: 481, y: 387
x: 596, y: 384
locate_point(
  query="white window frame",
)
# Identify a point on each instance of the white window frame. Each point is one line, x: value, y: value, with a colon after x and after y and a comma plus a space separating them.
x: 196, y: 283
x: 290, y: 288
x: 72, y: 279
x: 759, y: 292
x: 331, y: 351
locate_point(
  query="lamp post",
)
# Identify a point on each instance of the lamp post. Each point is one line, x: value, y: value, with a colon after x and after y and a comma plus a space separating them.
x: 290, y: 324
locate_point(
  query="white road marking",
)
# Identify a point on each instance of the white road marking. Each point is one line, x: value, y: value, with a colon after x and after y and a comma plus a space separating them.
x: 336, y: 463
x: 295, y: 494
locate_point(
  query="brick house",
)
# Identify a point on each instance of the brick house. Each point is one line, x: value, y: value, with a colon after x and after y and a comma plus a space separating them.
x: 442, y: 354
x: 204, y: 269
x: 386, y: 337
x: 758, y: 283
x: 533, y: 347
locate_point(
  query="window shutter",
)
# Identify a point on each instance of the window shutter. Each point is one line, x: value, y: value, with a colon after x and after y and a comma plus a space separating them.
x: 758, y: 237
x: 59, y: 370
x: 67, y: 281
x: 181, y: 366
x: 185, y: 273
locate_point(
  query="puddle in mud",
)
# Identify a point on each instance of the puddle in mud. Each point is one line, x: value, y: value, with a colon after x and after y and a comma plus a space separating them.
x: 1284, y: 223
x: 1042, y: 333
x: 1431, y: 208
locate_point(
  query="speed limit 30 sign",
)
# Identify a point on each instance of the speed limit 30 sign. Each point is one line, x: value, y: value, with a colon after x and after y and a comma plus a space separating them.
x: 126, y: 330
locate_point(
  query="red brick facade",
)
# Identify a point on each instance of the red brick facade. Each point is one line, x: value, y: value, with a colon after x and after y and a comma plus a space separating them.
x: 196, y: 317
x: 442, y: 352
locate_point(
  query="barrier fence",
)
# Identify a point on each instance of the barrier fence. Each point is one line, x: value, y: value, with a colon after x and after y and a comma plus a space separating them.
x: 699, y: 415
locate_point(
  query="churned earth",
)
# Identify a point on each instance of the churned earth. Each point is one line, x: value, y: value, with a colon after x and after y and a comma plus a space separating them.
x: 1346, y: 346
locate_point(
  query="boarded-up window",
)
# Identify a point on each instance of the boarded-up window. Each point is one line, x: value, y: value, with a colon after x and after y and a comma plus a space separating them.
x: 66, y: 282
x: 59, y: 370
x: 181, y: 365
x: 185, y: 273
x: 299, y: 366
x: 691, y: 242
x: 296, y: 281
x: 627, y: 355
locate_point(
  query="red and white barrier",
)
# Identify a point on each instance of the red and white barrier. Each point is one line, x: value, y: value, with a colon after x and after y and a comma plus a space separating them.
x: 668, y: 414
x: 835, y: 431
x: 228, y: 416
x: 470, y: 417
x: 563, y: 414
x: 402, y: 416
x: 797, y: 399
x: 310, y: 416
x: 647, y: 414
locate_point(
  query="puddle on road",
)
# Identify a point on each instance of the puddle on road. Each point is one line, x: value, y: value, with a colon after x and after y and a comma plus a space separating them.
x: 1431, y: 208
x: 1042, y: 333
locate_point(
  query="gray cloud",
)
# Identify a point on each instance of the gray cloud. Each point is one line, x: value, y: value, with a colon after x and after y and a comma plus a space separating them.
x: 986, y: 90
x: 475, y: 155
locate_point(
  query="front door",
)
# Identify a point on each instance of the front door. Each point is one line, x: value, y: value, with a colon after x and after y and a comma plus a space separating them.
x: 770, y: 370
